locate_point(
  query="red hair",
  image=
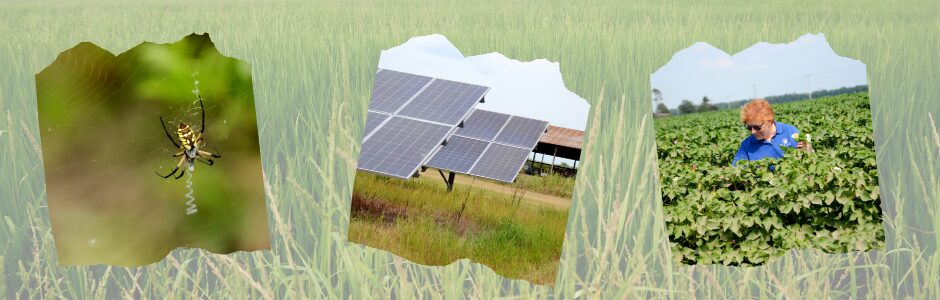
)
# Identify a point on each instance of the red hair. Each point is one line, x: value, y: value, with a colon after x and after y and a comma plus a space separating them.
x: 758, y: 110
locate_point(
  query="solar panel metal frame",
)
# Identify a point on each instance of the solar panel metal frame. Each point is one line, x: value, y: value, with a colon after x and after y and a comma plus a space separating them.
x: 395, y: 114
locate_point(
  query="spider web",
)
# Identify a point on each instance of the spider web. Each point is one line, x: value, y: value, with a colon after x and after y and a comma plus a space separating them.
x: 151, y: 144
x: 101, y: 150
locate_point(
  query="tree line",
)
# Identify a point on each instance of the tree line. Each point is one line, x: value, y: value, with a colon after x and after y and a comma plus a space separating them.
x: 688, y: 107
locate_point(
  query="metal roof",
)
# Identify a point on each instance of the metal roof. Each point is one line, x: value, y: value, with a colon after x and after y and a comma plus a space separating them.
x: 565, y: 137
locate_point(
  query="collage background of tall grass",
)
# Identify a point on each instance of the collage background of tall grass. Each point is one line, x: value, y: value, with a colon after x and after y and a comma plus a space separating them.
x: 313, y: 66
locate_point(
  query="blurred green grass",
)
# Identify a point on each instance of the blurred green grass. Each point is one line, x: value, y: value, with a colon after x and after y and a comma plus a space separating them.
x: 313, y: 63
x: 421, y: 221
x: 551, y: 184
x: 515, y: 238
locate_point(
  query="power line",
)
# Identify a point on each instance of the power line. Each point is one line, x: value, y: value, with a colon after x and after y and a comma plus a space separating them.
x: 808, y: 82
x: 804, y: 75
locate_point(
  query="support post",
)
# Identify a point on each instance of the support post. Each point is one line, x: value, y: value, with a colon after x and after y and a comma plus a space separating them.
x: 450, y: 181
x: 553, y: 159
x: 442, y: 175
x: 542, y: 164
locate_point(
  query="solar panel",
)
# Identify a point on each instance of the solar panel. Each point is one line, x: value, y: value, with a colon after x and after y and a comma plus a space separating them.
x: 398, y: 147
x: 483, y: 124
x: 522, y: 132
x: 373, y: 120
x: 408, y: 118
x: 501, y: 162
x: 458, y: 155
x: 392, y: 89
x: 445, y: 101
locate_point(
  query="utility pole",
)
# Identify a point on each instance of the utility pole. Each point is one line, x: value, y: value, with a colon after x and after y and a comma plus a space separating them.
x: 809, y: 90
x: 754, y: 85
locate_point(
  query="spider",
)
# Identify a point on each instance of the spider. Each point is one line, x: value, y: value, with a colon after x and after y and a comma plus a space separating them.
x: 190, y: 142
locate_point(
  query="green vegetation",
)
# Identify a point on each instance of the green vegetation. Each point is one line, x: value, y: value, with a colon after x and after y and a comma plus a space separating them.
x: 552, y: 184
x: 313, y: 65
x: 421, y: 221
x: 748, y: 215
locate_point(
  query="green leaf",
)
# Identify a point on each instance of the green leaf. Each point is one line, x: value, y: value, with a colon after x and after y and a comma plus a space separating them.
x: 814, y: 200
x: 735, y: 227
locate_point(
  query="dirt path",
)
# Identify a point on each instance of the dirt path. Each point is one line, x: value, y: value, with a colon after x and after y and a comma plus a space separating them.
x: 535, y: 198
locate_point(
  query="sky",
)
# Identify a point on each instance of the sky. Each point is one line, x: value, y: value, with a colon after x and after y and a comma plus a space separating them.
x: 770, y: 69
x: 531, y: 89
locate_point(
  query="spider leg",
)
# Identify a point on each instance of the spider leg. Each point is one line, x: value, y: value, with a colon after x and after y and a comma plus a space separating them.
x: 199, y: 141
x: 208, y: 161
x: 203, y: 109
x: 183, y: 171
x: 167, y: 175
x: 174, y: 169
x: 178, y: 154
x: 207, y: 154
x: 168, y: 133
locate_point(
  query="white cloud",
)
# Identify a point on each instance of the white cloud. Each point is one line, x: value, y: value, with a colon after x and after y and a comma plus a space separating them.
x: 720, y: 63
x: 530, y: 89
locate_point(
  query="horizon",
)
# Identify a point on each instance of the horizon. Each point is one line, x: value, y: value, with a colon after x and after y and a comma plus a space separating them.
x: 763, y: 70
x: 724, y: 106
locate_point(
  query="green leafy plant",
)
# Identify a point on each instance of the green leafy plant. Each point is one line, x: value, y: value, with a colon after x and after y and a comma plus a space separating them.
x: 827, y: 199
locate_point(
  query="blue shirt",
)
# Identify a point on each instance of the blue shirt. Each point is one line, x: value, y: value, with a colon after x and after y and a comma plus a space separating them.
x: 753, y: 149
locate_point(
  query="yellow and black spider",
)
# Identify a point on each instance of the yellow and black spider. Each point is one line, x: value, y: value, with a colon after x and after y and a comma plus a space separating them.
x: 190, y: 142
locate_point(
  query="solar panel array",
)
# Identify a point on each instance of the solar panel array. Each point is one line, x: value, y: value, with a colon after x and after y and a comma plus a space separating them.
x: 447, y: 102
x: 409, y: 117
x: 398, y: 147
x: 460, y: 154
x: 483, y: 124
x: 501, y: 162
x: 522, y: 132
x: 392, y: 89
x: 373, y: 120
x: 498, y: 144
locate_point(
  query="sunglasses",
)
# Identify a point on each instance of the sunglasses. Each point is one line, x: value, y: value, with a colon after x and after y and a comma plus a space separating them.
x: 754, y: 127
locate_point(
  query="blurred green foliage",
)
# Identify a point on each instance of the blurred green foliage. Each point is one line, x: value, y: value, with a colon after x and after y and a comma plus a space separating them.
x: 102, y: 141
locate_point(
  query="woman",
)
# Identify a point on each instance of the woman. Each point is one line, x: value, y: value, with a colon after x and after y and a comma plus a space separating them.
x: 767, y: 135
